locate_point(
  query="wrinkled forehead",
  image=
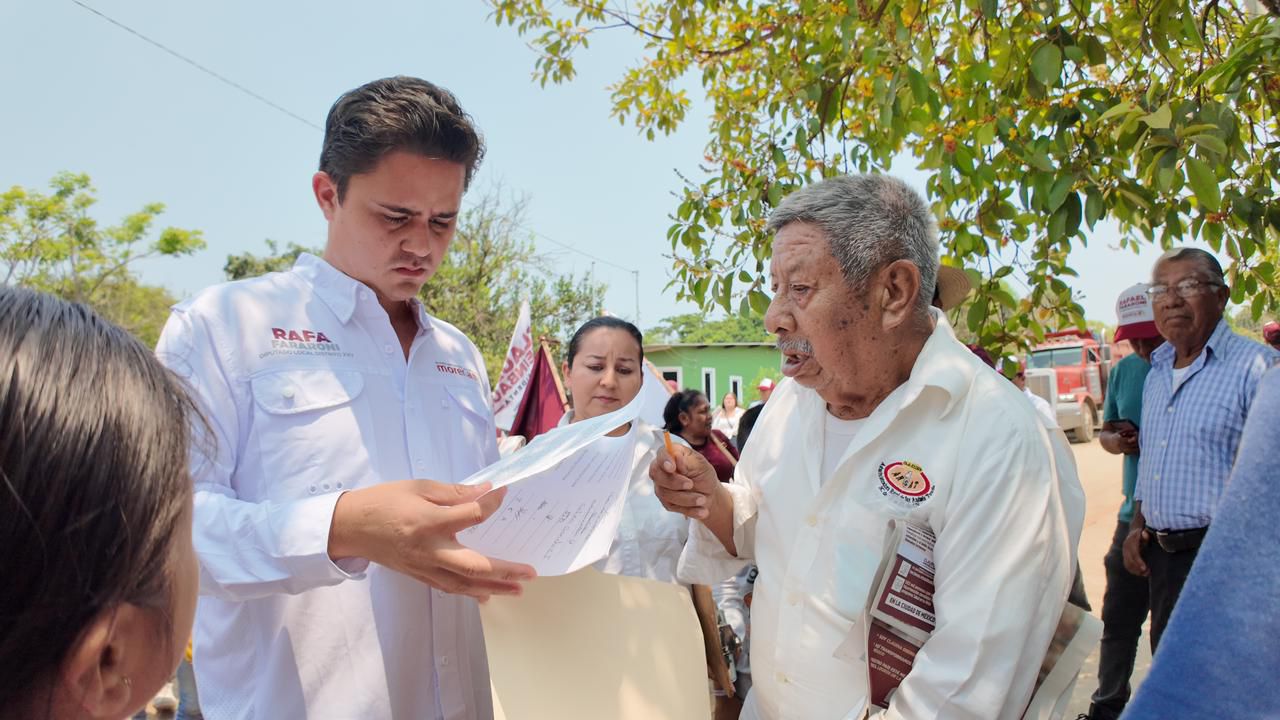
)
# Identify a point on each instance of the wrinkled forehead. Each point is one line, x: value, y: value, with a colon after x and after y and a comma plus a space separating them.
x: 800, y: 247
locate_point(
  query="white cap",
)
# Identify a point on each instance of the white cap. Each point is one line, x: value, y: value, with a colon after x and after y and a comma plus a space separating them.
x: 1136, y: 318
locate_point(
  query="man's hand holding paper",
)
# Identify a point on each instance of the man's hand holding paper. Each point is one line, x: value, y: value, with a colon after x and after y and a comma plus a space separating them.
x: 410, y: 526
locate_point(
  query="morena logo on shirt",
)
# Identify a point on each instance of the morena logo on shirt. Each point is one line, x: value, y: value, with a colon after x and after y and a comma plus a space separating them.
x: 906, y: 481
x: 448, y: 369
x: 306, y: 336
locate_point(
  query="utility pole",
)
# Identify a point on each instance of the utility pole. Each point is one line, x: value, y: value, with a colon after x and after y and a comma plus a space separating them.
x: 636, y: 275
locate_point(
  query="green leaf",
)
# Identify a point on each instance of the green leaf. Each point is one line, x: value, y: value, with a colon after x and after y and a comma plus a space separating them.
x: 919, y: 86
x: 1160, y: 119
x: 977, y: 314
x: 759, y: 301
x: 1059, y: 191
x: 1046, y: 64
x: 1210, y: 143
x: 1094, y: 50
x: 1072, y: 206
x: 1258, y: 305
x: 1120, y: 108
x: 1204, y: 183
x: 1094, y: 207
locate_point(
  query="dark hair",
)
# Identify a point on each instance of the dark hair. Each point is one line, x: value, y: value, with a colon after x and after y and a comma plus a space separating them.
x: 396, y: 113
x: 1206, y: 260
x: 681, y: 402
x: 93, y: 481
x: 609, y: 323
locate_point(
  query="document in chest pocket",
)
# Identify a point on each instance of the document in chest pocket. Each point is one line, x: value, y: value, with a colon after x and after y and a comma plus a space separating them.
x: 312, y: 430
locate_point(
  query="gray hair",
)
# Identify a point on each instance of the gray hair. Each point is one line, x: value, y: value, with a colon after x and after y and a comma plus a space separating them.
x: 1207, y: 261
x: 870, y: 221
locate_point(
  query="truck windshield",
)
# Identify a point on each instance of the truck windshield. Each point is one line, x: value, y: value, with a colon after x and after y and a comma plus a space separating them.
x: 1058, y: 357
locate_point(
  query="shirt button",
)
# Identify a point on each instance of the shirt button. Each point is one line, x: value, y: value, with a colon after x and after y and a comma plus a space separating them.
x: 324, y: 486
x: 444, y: 661
x: 444, y: 402
x: 1164, y: 443
x: 793, y: 599
x: 364, y: 294
x: 1170, y: 408
x: 1157, y: 477
x: 312, y: 489
x: 339, y: 485
x: 387, y: 348
x: 812, y: 520
x: 287, y: 393
x: 782, y: 678
x: 421, y: 464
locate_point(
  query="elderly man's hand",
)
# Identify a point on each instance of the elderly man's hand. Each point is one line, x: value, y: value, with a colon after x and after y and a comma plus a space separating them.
x: 686, y: 483
x: 1134, y: 545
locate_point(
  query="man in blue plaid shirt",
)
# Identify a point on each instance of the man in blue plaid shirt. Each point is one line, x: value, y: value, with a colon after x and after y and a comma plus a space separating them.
x: 1194, y: 404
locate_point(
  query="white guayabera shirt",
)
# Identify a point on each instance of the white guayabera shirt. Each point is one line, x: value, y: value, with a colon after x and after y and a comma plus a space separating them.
x: 308, y: 394
x: 956, y: 447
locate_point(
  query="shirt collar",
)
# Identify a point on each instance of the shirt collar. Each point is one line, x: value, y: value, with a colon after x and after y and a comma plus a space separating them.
x: 1216, y: 344
x: 341, y: 292
x: 944, y: 363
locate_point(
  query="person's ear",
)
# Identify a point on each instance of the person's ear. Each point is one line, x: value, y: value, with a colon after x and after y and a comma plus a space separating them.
x: 98, y: 674
x: 326, y: 192
x: 899, y: 290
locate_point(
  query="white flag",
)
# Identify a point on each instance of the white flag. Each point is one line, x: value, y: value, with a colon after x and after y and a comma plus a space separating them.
x: 516, y: 371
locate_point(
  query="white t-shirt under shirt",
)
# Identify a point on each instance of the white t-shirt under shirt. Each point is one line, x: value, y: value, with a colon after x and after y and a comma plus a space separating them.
x: 837, y: 434
x: 1179, y: 374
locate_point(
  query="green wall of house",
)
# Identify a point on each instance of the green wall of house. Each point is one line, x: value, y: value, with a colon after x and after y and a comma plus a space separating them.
x: 745, y: 362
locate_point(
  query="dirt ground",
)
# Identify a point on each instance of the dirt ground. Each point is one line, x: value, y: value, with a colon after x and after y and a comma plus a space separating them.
x: 1100, y: 473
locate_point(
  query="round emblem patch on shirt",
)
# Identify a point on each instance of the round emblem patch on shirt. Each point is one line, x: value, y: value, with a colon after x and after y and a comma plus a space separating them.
x: 906, y: 481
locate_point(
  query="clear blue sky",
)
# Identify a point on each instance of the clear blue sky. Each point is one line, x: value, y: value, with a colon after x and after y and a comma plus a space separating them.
x: 85, y: 95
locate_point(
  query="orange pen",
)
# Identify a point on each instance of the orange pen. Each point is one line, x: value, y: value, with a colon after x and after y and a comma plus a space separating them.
x: 671, y: 449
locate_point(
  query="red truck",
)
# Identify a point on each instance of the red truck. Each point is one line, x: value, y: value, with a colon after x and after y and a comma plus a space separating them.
x: 1069, y: 369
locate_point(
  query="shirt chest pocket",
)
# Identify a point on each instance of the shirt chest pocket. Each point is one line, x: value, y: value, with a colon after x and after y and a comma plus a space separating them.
x: 469, y: 440
x: 313, y: 431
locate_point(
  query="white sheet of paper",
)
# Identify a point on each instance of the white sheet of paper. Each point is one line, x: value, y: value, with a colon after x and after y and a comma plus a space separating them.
x: 568, y: 488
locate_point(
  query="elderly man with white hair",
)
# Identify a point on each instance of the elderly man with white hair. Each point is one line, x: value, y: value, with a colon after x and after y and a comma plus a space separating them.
x: 877, y: 382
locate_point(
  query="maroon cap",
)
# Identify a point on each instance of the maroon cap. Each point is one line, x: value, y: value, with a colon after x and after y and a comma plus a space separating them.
x: 1271, y: 332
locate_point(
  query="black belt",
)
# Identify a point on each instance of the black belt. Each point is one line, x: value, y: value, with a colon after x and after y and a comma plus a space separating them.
x: 1176, y: 541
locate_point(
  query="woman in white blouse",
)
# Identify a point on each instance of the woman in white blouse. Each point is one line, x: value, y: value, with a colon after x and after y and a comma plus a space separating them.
x: 603, y: 371
x: 726, y: 417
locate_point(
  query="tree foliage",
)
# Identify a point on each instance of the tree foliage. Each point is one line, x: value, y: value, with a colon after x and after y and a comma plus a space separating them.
x: 1035, y: 120
x: 50, y: 242
x: 695, y: 328
x: 247, y: 265
x: 492, y: 265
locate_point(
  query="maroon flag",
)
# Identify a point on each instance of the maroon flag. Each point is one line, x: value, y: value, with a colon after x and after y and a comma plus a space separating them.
x: 544, y: 400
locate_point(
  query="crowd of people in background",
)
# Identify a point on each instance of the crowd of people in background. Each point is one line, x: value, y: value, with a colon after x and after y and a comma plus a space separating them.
x: 285, y: 483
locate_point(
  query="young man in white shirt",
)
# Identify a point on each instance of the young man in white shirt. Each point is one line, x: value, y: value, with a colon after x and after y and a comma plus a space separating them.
x: 332, y: 586
x: 884, y: 415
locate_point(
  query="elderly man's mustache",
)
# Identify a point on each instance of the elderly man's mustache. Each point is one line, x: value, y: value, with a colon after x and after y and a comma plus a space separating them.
x: 800, y: 347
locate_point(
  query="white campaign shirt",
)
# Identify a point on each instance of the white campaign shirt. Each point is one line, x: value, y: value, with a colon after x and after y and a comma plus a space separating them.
x: 650, y: 538
x: 1043, y: 407
x: 308, y: 394
x: 956, y: 447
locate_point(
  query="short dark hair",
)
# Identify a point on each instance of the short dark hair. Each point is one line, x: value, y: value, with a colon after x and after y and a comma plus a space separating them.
x: 681, y: 402
x: 93, y: 481
x: 607, y: 322
x: 1206, y: 260
x: 396, y: 113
